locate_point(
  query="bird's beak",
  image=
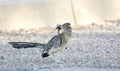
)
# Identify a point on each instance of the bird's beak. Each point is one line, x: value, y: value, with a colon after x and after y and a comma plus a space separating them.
x: 59, y: 27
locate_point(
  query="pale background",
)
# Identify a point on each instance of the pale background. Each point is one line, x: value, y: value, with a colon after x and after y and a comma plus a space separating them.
x: 27, y: 14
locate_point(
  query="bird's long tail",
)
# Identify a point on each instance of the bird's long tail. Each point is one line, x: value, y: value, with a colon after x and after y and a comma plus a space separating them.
x: 20, y: 45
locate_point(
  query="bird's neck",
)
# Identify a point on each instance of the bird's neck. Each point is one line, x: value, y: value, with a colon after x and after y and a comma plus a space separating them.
x: 67, y: 33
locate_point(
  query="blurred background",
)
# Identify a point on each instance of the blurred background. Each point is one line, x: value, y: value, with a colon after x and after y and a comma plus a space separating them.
x: 31, y: 14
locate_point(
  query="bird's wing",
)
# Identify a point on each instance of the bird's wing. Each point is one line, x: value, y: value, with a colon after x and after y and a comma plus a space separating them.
x: 53, y: 43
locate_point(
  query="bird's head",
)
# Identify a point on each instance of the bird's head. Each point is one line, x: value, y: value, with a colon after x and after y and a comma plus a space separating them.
x: 65, y: 26
x: 59, y: 27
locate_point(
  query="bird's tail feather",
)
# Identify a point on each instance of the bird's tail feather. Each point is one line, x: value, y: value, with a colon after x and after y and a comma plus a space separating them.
x: 20, y: 45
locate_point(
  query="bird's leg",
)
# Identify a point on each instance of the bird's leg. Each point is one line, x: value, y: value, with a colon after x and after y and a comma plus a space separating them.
x: 58, y: 61
x: 55, y: 59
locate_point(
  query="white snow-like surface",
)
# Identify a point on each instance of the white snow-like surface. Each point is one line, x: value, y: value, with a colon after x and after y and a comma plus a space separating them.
x: 84, y: 69
x: 65, y: 69
x: 88, y: 50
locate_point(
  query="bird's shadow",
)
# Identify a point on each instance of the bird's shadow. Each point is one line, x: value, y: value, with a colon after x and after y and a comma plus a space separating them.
x: 20, y: 45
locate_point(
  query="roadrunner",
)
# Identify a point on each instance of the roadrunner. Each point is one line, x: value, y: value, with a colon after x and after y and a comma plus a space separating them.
x: 59, y: 41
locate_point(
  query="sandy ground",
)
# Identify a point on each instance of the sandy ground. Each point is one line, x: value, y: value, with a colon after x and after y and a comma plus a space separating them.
x: 89, y: 50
